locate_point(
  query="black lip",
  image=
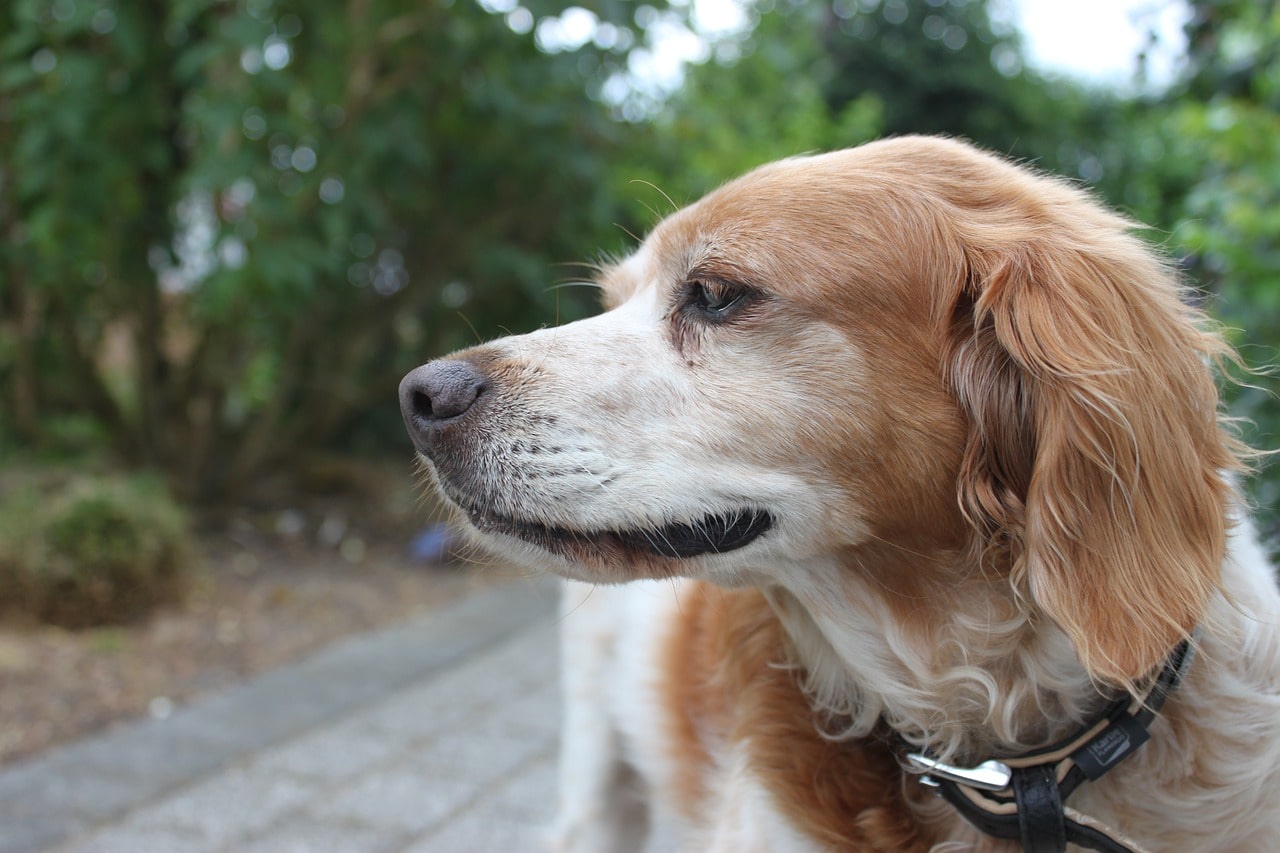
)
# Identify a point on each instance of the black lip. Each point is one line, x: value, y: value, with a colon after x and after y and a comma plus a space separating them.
x: 713, y: 534
x: 716, y: 534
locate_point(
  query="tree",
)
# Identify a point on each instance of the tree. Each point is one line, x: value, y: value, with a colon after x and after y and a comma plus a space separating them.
x: 817, y: 74
x: 944, y: 66
x: 228, y: 228
x: 761, y: 98
x: 1227, y: 111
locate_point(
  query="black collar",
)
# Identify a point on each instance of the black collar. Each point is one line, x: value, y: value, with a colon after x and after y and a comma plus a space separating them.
x: 1023, y: 797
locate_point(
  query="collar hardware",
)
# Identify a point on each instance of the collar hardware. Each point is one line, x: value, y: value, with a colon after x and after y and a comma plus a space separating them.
x: 988, y: 776
x: 1023, y: 797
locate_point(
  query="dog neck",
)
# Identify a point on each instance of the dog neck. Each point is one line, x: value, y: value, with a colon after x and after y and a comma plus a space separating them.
x: 965, y: 670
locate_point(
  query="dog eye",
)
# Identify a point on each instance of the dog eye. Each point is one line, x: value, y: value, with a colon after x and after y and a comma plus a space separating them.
x: 716, y: 300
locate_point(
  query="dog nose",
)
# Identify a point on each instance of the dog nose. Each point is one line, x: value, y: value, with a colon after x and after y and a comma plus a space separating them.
x: 436, y: 393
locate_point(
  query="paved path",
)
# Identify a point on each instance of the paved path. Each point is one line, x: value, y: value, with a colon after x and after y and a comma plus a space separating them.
x: 437, y: 735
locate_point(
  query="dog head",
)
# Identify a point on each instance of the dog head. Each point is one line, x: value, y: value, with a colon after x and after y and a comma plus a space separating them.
x: 908, y: 347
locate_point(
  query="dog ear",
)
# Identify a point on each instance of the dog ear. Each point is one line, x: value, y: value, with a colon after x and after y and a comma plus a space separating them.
x: 1096, y: 460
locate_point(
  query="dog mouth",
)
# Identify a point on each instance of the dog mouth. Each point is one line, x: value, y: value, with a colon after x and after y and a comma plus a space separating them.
x: 712, y: 534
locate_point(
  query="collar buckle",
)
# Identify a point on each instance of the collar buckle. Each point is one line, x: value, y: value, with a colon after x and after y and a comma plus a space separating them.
x: 990, y: 775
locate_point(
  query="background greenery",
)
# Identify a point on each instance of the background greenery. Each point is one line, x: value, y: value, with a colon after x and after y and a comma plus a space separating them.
x: 227, y: 227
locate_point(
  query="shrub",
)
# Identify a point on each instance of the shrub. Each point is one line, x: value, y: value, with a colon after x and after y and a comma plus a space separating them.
x: 95, y: 551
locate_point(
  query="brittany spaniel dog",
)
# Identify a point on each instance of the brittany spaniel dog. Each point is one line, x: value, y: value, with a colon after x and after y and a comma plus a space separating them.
x: 898, y: 510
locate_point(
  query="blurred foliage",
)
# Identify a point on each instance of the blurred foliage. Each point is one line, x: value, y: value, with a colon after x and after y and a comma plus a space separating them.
x: 230, y: 225
x: 95, y: 551
x: 947, y: 67
x: 764, y: 99
x: 1226, y: 116
x: 812, y: 75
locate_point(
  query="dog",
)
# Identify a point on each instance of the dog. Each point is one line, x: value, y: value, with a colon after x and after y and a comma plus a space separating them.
x: 884, y: 470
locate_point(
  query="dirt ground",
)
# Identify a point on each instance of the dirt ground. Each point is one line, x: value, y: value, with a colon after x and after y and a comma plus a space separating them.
x: 271, y: 586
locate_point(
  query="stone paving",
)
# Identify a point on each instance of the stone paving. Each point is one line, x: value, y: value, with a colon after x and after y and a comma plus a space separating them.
x: 437, y: 735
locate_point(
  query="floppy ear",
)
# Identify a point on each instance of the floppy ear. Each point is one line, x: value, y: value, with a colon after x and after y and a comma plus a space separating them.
x: 1095, y: 461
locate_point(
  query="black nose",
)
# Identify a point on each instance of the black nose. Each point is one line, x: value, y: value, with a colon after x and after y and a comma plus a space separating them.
x: 436, y: 393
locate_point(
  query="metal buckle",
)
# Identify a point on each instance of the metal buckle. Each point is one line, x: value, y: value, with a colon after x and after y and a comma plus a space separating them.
x: 988, y: 776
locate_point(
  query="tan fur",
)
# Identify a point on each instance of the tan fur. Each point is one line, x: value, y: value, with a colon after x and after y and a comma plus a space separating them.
x: 728, y: 683
x: 1077, y: 344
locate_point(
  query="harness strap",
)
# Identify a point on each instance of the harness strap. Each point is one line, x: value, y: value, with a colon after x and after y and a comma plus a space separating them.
x: 1002, y: 819
x: 1041, y: 822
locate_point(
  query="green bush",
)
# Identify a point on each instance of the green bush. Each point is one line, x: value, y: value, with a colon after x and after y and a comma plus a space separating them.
x: 95, y: 551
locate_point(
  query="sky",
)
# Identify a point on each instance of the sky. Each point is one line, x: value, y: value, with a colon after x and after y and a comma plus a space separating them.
x: 1098, y: 40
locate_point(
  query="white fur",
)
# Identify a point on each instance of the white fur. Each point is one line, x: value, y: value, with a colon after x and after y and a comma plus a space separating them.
x: 1225, y: 717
